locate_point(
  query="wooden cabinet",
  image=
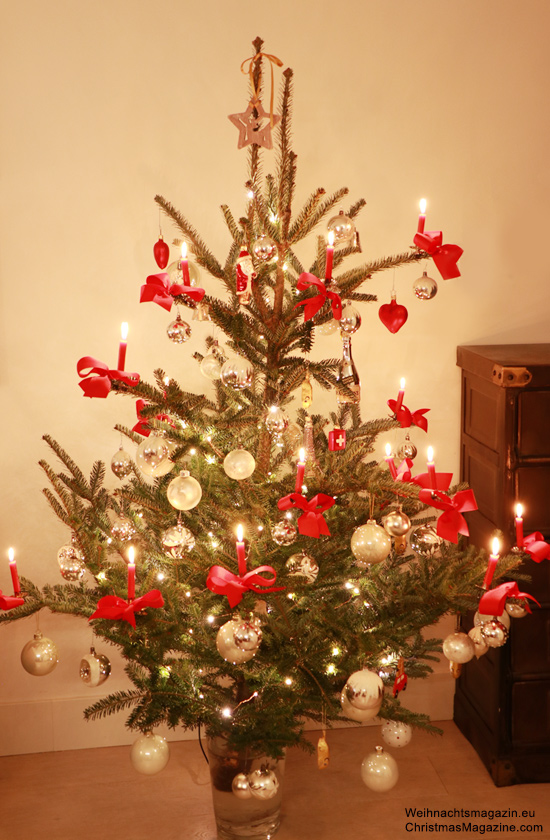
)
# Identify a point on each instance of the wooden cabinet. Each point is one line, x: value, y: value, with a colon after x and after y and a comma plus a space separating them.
x: 502, y: 701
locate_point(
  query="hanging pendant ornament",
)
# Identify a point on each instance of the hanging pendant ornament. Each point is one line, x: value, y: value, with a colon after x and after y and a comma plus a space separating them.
x: 255, y: 124
x: 307, y: 391
x: 149, y: 754
x: 342, y: 227
x: 362, y: 695
x: 284, y: 532
x: 347, y: 376
x: 95, y: 668
x: 350, y: 320
x: 39, y: 656
x: 237, y: 373
x: 238, y: 640
x: 184, y: 492
x: 276, y: 422
x: 178, y: 331
x: 370, y: 544
x: 201, y: 312
x: 401, y: 679
x: 425, y: 288
x: 396, y: 523
x: 161, y: 252
x: 153, y: 456
x: 425, y: 541
x: 264, y: 248
x: 239, y: 464
x: 337, y: 440
x: 302, y: 565
x: 323, y: 752
x: 396, y: 733
x: 245, y: 274
x: 407, y: 449
x: 121, y: 463
x: 71, y: 561
x: 379, y: 771
x: 393, y: 315
x: 177, y: 540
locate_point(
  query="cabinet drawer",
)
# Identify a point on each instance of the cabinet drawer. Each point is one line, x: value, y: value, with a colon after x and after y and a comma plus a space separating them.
x: 530, y: 644
x: 531, y: 712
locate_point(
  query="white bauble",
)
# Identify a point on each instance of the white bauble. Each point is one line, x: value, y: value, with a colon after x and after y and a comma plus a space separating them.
x: 95, y: 668
x: 458, y: 647
x: 370, y: 544
x: 149, y: 754
x: 396, y: 733
x: 481, y: 618
x: 379, y: 771
x: 362, y: 695
x: 39, y: 656
x: 238, y: 641
x: 240, y: 786
x: 239, y: 464
x: 184, y: 492
x: 153, y: 456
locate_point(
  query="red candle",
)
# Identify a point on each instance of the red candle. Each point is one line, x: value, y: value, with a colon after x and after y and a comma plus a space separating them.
x: 400, y: 395
x: 131, y: 574
x: 493, y: 560
x: 519, y: 525
x: 422, y: 217
x: 390, y: 462
x: 122, y: 346
x: 184, y: 265
x: 13, y: 571
x: 241, y: 554
x: 330, y: 256
x: 300, y: 471
x: 431, y: 469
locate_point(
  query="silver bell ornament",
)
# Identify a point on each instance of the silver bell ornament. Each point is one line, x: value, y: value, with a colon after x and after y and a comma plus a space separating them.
x: 342, y: 227
x: 95, y: 668
x: 396, y: 523
x: 370, y: 544
x: 240, y: 786
x: 122, y: 529
x: 303, y: 565
x: 184, y: 492
x: 425, y: 540
x: 153, y: 456
x: 178, y: 331
x: 178, y: 539
x: 39, y: 656
x: 458, y: 647
x: 515, y: 607
x: 362, y: 695
x: 71, y: 561
x: 263, y: 783
x: 149, y: 754
x: 121, y: 463
x: 407, y: 449
x: 494, y: 632
x: 379, y: 771
x: 264, y: 248
x: 479, y: 643
x: 239, y: 464
x: 425, y: 288
x: 284, y: 532
x: 276, y: 421
x: 396, y: 733
x: 350, y: 320
x: 238, y: 641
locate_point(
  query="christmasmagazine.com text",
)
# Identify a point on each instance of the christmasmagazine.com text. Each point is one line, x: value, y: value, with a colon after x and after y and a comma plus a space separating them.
x: 464, y: 820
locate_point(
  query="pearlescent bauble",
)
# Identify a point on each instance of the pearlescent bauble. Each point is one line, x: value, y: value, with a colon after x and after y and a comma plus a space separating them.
x: 350, y: 320
x: 396, y: 733
x: 458, y: 647
x: 515, y: 607
x: 210, y: 367
x: 149, y: 754
x: 39, y: 656
x: 95, y: 668
x: 370, y: 544
x: 228, y: 646
x: 304, y: 565
x: 479, y: 644
x: 71, y: 562
x: 239, y: 464
x: 362, y: 695
x: 184, y: 492
x: 178, y: 539
x: 379, y: 771
x: 122, y: 529
x: 176, y: 274
x: 284, y: 532
x: 264, y: 248
x: 425, y: 288
x: 342, y: 227
x: 237, y: 373
x: 481, y: 618
x: 407, y: 450
x: 396, y: 523
x: 121, y: 463
x: 276, y: 421
x: 240, y: 786
x: 425, y: 540
x: 178, y: 331
x: 263, y: 783
x: 494, y: 632
x: 153, y: 456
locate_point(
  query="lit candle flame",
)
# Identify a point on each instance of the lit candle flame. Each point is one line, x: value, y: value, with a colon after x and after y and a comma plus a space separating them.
x: 388, y: 450
x: 240, y: 533
x: 330, y: 239
x: 11, y: 554
x: 131, y: 553
x: 519, y: 510
x: 430, y: 454
x: 302, y: 455
x: 124, y: 331
x: 423, y: 204
x: 496, y: 546
x: 184, y: 250
x: 402, y: 384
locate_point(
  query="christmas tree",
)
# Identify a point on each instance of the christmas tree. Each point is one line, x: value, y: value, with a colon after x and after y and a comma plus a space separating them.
x: 248, y: 635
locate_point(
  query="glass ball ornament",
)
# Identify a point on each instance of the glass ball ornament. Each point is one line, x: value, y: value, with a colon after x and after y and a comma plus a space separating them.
x: 240, y: 786
x: 39, y: 656
x: 396, y: 523
x: 210, y: 367
x: 122, y: 529
x: 516, y: 608
x: 239, y: 464
x: 237, y: 373
x: 178, y: 331
x: 176, y: 274
x: 379, y: 771
x: 264, y: 248
x: 304, y: 565
x: 458, y: 647
x: 482, y: 618
x: 248, y: 635
x: 362, y: 695
x: 71, y: 561
x: 479, y: 643
x: 276, y: 421
x: 95, y: 668
x: 284, y: 532
x: 153, y: 456
x: 230, y: 639
x: 328, y: 327
x: 184, y: 492
x: 350, y: 320
x: 178, y: 539
x: 494, y: 632
x: 149, y: 754
x: 425, y: 540
x: 396, y: 733
x: 342, y: 227
x: 263, y: 783
x: 121, y: 463
x: 370, y: 544
x: 425, y: 288
x: 407, y: 449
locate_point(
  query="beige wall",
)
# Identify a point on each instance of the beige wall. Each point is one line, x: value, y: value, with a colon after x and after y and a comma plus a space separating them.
x: 105, y: 104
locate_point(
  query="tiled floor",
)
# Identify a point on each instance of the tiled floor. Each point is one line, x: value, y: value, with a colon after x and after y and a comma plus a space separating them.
x: 90, y: 794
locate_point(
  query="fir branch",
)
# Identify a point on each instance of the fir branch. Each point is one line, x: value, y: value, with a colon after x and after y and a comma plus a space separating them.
x: 203, y: 256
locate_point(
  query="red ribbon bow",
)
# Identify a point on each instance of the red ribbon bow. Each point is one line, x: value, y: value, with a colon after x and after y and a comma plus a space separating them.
x: 442, y: 481
x: 444, y: 256
x: 535, y: 546
x: 404, y: 470
x: 9, y: 602
x: 451, y: 523
x: 311, y: 523
x: 406, y: 418
x: 493, y: 601
x: 113, y: 607
x: 98, y: 381
x: 313, y: 305
x: 158, y: 289
x: 223, y: 582
x: 142, y: 427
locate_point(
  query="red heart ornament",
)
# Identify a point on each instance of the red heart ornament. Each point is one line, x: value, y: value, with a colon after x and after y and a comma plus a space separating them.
x: 393, y: 315
x: 161, y: 253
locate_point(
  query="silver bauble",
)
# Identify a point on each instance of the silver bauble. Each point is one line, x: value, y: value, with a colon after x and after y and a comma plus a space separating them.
x: 239, y: 464
x: 494, y: 632
x: 350, y: 320
x: 122, y: 529
x: 237, y: 373
x: 304, y: 565
x: 284, y: 532
x: 425, y: 540
x: 71, y: 561
x: 240, y: 786
x: 407, y: 450
x: 264, y: 248
x: 276, y: 421
x: 95, y: 668
x: 396, y: 733
x: 153, y: 456
x: 458, y: 647
x: 362, y: 695
x: 121, y: 463
x: 481, y: 618
x: 178, y: 539
x: 396, y: 523
x: 379, y: 771
x: 515, y: 607
x: 210, y: 367
x: 370, y: 544
x: 178, y: 331
x: 425, y: 288
x: 149, y: 754
x: 479, y: 643
x: 39, y: 656
x: 226, y: 643
x: 342, y: 227
x: 184, y: 492
x: 263, y: 783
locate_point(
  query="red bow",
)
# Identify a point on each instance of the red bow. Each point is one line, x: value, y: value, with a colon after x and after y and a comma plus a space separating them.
x: 9, y: 602
x: 404, y: 470
x: 142, y: 427
x: 313, y: 305
x: 444, y: 256
x: 223, y: 582
x: 442, y: 481
x: 406, y: 418
x: 111, y: 606
x: 451, y: 523
x: 98, y: 382
x: 157, y: 289
x: 536, y: 547
x: 311, y: 523
x: 493, y: 601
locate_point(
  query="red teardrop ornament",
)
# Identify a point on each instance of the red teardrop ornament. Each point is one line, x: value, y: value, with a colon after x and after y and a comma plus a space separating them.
x: 161, y: 252
x: 393, y: 315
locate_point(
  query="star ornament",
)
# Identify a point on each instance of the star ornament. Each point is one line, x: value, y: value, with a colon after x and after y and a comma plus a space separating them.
x: 255, y: 125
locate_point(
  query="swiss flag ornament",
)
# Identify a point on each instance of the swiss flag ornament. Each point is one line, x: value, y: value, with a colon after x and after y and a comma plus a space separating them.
x: 337, y: 440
